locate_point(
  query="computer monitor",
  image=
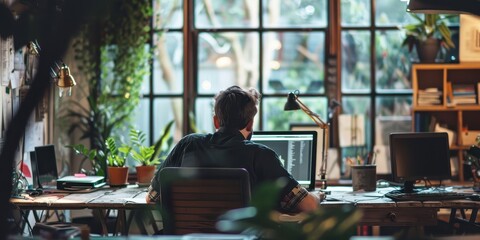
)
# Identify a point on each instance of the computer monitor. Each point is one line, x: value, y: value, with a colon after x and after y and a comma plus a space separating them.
x: 419, y: 156
x: 297, y: 151
x: 46, y: 165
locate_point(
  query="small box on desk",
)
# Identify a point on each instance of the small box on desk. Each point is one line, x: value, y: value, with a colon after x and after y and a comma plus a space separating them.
x: 469, y: 137
x: 76, y: 183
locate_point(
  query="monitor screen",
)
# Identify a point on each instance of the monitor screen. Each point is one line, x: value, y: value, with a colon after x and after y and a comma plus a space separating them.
x: 46, y: 165
x: 419, y: 156
x: 297, y: 151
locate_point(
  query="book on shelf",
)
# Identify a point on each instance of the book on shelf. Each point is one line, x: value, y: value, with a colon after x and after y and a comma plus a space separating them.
x: 424, y: 122
x: 426, y: 102
x: 429, y: 96
x: 478, y: 92
x: 461, y: 94
x: 463, y: 89
x: 461, y: 101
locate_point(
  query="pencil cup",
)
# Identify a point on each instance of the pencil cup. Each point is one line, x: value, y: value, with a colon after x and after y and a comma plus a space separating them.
x: 364, y: 177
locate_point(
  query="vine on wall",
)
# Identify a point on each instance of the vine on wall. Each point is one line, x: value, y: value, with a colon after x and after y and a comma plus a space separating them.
x: 114, y: 59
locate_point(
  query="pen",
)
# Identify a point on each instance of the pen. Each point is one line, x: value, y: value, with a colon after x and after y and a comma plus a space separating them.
x: 374, y: 158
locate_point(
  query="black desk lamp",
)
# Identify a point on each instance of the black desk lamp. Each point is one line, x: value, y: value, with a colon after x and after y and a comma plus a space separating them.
x: 294, y: 103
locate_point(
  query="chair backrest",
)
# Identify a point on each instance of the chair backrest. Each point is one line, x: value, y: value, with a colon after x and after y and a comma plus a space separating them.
x: 194, y: 198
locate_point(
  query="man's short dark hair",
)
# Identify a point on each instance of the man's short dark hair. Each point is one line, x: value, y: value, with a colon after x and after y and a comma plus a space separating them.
x: 235, y: 107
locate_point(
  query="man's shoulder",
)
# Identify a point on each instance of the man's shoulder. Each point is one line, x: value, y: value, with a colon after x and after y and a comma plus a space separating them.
x: 195, y: 136
x: 257, y: 146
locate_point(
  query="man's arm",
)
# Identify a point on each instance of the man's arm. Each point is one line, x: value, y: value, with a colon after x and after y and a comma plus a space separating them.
x: 311, y: 202
x: 300, y: 200
x: 152, y: 195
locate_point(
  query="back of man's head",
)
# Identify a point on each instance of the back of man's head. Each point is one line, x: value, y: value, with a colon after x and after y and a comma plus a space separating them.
x: 235, y: 107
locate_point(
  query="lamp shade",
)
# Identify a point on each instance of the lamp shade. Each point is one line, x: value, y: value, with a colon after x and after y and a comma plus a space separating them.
x: 65, y: 80
x: 291, y: 103
x: 444, y: 6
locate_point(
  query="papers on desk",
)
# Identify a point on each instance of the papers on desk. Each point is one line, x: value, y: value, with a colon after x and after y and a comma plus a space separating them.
x: 135, y: 200
x: 345, y: 194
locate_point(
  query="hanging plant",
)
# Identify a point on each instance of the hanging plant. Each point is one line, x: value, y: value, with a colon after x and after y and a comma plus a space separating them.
x: 114, y: 58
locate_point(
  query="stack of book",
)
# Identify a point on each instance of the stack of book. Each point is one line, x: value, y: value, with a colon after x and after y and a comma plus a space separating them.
x: 429, y: 96
x: 463, y: 94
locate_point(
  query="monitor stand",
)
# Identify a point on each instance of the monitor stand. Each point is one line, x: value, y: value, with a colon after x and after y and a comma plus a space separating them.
x: 408, y: 187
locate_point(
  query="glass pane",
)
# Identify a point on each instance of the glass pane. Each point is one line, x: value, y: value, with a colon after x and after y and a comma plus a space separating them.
x: 226, y: 14
x: 168, y: 63
x: 167, y: 14
x: 393, y: 115
x: 355, y: 12
x: 392, y: 12
x: 141, y: 116
x: 360, y: 106
x: 356, y: 61
x: 392, y: 62
x: 294, y: 60
x: 226, y: 59
x: 294, y: 13
x: 164, y: 111
x: 204, y: 115
x: 275, y: 118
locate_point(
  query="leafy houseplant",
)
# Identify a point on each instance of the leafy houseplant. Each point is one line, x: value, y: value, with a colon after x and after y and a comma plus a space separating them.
x: 147, y: 156
x: 261, y: 219
x: 427, y: 35
x: 116, y: 158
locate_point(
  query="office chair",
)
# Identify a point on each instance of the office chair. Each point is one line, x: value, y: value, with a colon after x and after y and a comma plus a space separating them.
x: 194, y: 198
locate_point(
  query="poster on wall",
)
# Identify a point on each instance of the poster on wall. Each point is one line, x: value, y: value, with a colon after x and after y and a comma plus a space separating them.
x: 469, y: 38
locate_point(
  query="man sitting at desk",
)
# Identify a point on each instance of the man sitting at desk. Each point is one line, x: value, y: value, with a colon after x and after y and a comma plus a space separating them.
x: 230, y: 147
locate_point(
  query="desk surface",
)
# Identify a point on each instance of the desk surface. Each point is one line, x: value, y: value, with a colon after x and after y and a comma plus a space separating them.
x: 377, y: 209
x: 134, y: 197
x: 114, y: 198
x: 345, y: 195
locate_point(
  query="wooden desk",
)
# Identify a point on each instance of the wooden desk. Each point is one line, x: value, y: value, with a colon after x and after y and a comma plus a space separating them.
x: 377, y: 210
x: 100, y: 202
x: 382, y: 211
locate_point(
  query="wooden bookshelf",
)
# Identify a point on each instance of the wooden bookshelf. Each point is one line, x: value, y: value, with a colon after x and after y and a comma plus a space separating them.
x: 459, y: 118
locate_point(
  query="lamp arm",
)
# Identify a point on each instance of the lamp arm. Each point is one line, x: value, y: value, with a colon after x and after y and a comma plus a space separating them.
x: 312, y: 115
x: 325, y: 143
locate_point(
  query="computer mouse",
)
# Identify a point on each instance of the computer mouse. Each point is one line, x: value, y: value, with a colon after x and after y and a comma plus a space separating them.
x: 382, y: 184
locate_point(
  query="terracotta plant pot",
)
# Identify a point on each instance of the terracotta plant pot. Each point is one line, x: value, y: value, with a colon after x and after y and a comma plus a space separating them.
x: 145, y: 174
x: 117, y: 176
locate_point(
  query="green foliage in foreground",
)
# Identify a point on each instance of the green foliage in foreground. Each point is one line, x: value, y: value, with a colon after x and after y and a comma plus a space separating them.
x: 261, y: 219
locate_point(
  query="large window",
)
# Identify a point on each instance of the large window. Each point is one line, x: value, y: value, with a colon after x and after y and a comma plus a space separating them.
x: 375, y: 81
x: 278, y: 46
x: 275, y: 46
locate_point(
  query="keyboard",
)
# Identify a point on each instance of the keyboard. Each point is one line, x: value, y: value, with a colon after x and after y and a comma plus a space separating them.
x: 426, y: 196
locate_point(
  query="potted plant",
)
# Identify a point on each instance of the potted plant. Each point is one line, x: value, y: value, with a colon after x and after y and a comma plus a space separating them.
x: 116, y: 169
x: 147, y: 156
x: 427, y: 35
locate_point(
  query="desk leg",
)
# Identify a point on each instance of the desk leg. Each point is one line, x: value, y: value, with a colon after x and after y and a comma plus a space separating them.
x: 120, y: 225
x: 100, y: 214
x: 473, y: 215
x: 140, y: 216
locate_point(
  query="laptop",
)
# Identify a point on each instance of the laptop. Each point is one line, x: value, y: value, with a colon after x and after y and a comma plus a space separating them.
x: 297, y: 151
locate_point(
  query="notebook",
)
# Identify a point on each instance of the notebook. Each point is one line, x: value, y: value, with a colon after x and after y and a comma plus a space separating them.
x: 297, y: 151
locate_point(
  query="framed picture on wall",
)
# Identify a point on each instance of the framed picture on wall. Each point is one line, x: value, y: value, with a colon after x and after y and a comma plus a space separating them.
x: 469, y: 38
